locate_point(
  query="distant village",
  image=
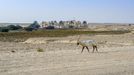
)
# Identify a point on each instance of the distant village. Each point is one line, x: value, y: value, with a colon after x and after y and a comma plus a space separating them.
x: 64, y: 24
x: 73, y: 24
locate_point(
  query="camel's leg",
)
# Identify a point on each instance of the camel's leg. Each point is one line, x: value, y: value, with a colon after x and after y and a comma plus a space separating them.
x: 87, y: 49
x: 96, y: 49
x: 93, y: 49
x: 82, y: 49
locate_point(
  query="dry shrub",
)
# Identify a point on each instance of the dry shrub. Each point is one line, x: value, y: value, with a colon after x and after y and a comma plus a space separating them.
x: 40, y: 50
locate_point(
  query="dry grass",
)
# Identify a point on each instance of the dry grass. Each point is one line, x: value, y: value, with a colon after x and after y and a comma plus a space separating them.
x: 22, y: 36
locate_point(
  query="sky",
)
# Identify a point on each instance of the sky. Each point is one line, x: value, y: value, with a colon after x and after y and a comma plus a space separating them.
x: 94, y: 11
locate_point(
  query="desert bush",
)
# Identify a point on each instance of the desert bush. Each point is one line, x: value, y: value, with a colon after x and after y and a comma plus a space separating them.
x: 13, y: 51
x: 4, y: 29
x: 13, y: 27
x: 34, y: 25
x: 29, y: 29
x: 40, y: 50
x: 19, y: 27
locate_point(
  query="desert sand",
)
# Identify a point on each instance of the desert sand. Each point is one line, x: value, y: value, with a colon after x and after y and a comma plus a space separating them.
x: 62, y: 56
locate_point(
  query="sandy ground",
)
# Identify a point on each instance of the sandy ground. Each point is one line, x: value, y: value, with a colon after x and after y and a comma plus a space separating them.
x: 62, y: 56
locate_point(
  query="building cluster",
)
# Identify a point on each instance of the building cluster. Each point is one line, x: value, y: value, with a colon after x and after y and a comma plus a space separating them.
x: 64, y: 24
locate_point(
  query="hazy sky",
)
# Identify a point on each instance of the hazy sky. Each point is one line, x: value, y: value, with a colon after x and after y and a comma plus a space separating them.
x: 117, y: 11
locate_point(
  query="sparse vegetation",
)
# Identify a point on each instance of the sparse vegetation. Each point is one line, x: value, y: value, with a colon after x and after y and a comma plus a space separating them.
x: 34, y: 25
x: 4, y: 29
x: 40, y: 50
x: 29, y: 29
x: 22, y: 36
x: 13, y: 27
x: 13, y: 51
